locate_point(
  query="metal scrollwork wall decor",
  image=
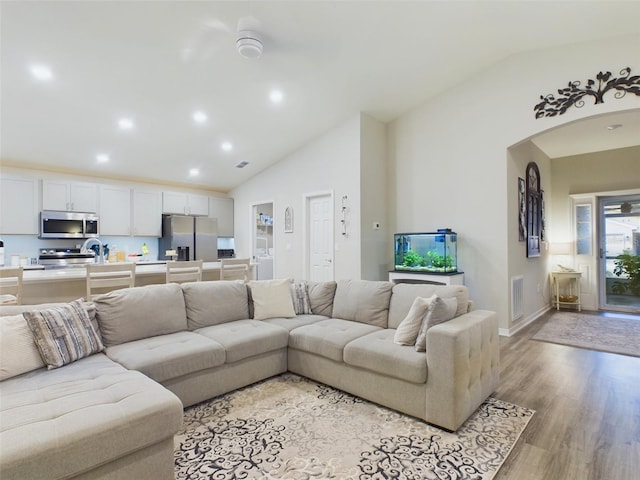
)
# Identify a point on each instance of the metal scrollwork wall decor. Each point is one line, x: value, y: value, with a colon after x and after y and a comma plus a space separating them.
x: 574, y: 93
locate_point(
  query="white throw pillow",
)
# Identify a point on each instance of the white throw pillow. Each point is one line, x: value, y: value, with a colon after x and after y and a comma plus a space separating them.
x: 408, y: 330
x: 18, y: 350
x: 272, y: 299
x: 440, y: 310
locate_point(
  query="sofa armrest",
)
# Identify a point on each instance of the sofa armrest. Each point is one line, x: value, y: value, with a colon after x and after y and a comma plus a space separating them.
x: 463, y: 361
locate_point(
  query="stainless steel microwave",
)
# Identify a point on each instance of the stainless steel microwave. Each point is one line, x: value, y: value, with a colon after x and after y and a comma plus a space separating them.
x: 55, y: 224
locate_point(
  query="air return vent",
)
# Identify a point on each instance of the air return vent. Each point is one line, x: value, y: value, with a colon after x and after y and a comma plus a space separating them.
x: 242, y: 164
x: 517, y: 297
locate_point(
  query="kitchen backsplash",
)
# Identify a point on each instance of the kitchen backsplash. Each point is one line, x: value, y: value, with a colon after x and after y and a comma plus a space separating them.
x: 29, y: 246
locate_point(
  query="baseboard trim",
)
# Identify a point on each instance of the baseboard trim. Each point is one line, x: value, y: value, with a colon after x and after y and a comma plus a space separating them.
x: 507, y: 332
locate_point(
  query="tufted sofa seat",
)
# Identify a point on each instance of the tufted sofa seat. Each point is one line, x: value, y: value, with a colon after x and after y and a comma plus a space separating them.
x: 64, y: 422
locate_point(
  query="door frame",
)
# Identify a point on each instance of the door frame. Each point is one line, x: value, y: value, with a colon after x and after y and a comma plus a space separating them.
x: 587, y: 264
x: 252, y: 229
x: 602, y: 261
x: 306, y: 254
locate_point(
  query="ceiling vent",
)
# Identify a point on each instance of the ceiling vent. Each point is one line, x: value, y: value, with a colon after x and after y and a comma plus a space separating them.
x: 242, y: 164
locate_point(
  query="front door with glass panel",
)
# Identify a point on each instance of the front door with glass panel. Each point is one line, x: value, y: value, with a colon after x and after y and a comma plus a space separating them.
x: 620, y: 253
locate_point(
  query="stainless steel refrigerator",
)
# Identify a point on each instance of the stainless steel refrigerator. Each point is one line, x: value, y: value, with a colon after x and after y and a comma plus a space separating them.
x: 193, y: 238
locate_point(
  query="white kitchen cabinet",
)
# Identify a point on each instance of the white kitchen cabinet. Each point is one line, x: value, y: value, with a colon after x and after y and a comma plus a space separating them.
x: 115, y: 210
x: 222, y: 209
x: 185, y: 203
x: 147, y: 213
x: 19, y: 206
x: 69, y: 196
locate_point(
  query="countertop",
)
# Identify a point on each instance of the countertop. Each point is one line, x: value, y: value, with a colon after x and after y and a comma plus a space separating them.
x: 76, y: 273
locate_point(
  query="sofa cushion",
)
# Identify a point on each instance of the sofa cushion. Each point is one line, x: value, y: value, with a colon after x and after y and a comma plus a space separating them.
x: 440, y: 310
x: 246, y: 338
x: 271, y: 299
x: 60, y: 423
x: 18, y: 350
x: 321, y: 297
x: 405, y: 293
x: 328, y: 338
x: 363, y: 301
x: 63, y: 334
x: 212, y: 303
x: 169, y: 356
x: 407, y: 331
x: 295, y: 322
x: 140, y: 312
x: 378, y: 353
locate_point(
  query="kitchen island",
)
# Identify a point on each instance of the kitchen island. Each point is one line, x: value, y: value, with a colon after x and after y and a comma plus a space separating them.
x: 67, y: 284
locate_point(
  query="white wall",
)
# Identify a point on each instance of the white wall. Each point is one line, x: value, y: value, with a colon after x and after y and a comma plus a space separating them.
x: 377, y: 245
x: 535, y: 270
x: 330, y: 163
x: 449, y: 155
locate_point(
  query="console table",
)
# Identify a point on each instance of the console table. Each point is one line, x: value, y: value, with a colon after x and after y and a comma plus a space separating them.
x: 572, y: 296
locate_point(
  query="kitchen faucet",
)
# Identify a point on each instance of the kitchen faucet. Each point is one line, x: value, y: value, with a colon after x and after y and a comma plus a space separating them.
x: 86, y: 243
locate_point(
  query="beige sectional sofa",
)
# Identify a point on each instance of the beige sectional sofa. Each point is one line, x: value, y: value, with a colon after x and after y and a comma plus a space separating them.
x: 113, y: 414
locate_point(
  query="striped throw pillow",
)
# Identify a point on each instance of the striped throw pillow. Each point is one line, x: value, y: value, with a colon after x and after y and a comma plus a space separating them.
x: 63, y: 334
x: 300, y: 294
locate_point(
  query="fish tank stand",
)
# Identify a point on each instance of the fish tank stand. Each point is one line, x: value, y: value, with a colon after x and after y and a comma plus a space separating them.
x: 444, y: 278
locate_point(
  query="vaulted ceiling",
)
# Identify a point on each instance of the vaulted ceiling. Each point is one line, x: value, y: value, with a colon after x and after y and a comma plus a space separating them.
x: 157, y: 64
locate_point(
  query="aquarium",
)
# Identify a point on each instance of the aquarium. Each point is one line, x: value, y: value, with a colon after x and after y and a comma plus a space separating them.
x: 426, y: 252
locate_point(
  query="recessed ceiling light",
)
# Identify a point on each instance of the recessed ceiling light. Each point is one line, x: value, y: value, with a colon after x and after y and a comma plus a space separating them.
x: 41, y: 72
x: 194, y: 172
x: 199, y: 116
x: 125, y: 124
x: 226, y: 146
x: 102, y: 158
x: 276, y: 96
x: 614, y: 126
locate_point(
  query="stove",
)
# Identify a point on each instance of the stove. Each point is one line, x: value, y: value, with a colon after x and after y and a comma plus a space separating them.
x: 226, y: 253
x: 64, y: 257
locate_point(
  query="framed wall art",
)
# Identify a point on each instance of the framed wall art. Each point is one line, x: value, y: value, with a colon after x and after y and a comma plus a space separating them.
x: 288, y: 220
x: 534, y: 210
x: 522, y: 210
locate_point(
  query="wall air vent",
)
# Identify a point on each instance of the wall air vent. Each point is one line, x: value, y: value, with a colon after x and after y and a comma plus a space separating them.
x: 517, y: 297
x: 242, y: 164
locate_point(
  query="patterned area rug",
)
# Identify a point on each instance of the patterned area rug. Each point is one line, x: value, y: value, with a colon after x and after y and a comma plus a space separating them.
x: 594, y: 332
x: 289, y: 427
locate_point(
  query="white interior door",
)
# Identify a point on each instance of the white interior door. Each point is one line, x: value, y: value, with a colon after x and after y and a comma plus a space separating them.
x: 320, y: 238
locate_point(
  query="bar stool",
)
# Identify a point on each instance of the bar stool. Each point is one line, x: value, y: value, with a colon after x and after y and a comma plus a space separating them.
x: 180, y: 272
x: 103, y: 278
x: 11, y: 285
x: 235, y: 269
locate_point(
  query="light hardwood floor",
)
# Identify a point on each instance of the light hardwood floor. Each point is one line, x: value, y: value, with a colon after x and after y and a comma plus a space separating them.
x: 587, y: 403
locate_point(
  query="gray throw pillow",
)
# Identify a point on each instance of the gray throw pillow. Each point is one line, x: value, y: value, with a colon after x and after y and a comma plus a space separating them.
x: 407, y: 331
x: 440, y: 310
x: 63, y: 334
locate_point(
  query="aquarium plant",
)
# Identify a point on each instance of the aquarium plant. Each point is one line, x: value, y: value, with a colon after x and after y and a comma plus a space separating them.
x: 413, y: 259
x: 438, y: 261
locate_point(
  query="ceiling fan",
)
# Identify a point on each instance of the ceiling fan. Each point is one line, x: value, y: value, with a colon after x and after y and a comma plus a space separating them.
x: 248, y: 38
x: 205, y: 42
